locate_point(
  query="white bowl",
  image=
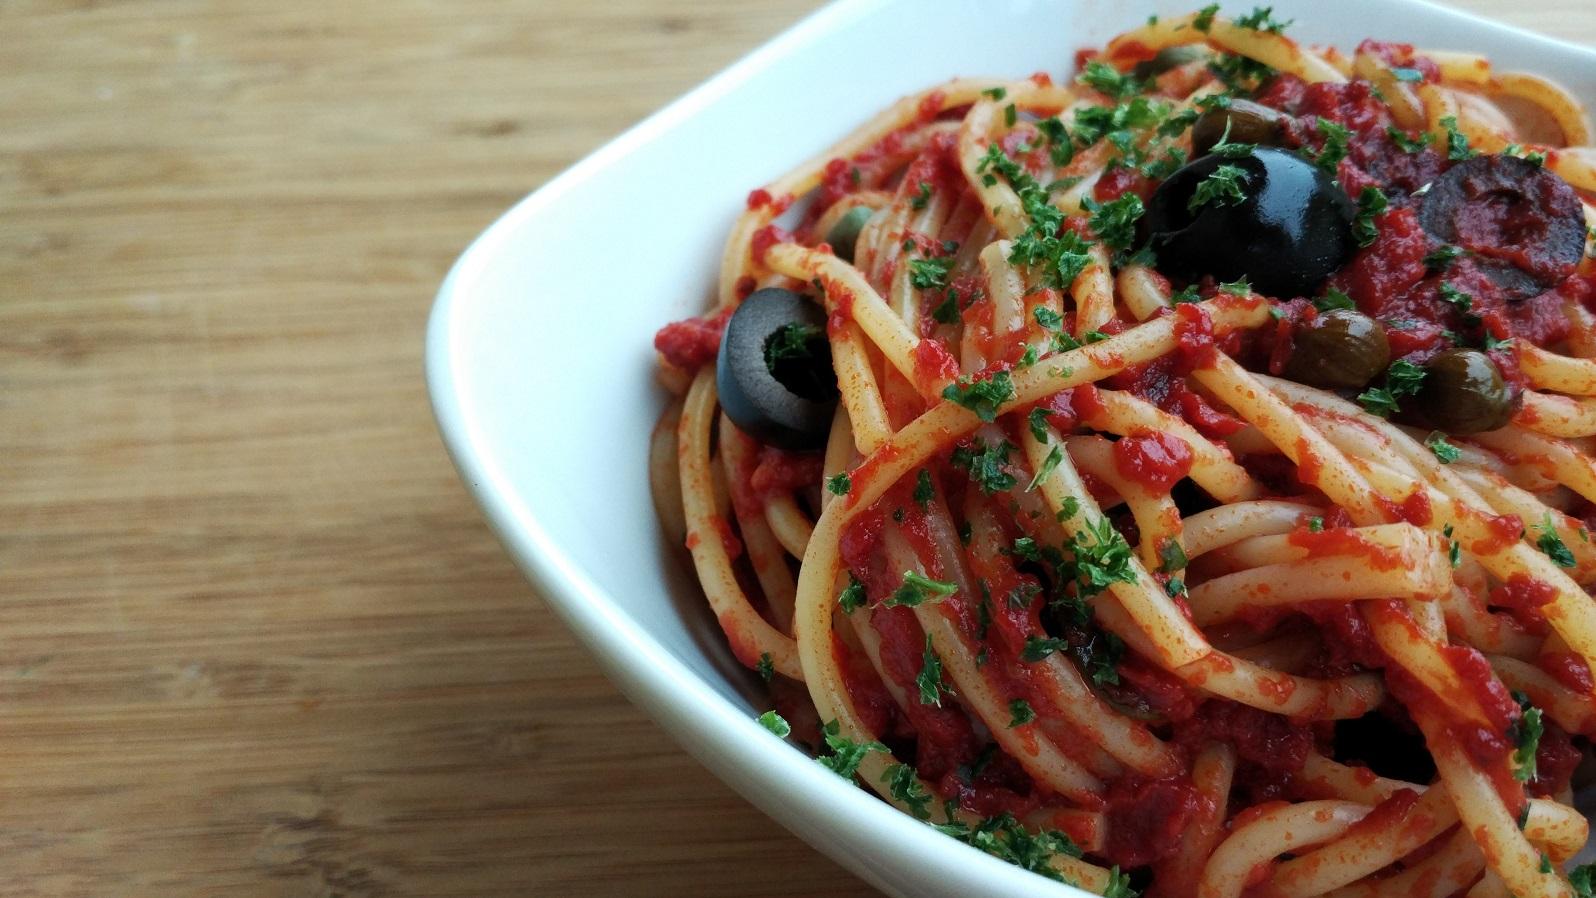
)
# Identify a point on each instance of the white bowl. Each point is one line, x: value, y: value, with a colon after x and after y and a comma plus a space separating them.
x: 540, y: 363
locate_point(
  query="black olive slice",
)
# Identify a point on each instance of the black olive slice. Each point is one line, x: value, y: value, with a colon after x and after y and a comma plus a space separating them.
x: 774, y: 370
x: 1523, y: 225
x: 1462, y: 392
x: 1290, y: 229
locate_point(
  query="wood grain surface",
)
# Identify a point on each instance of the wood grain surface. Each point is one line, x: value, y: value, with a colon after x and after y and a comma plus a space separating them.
x: 254, y: 638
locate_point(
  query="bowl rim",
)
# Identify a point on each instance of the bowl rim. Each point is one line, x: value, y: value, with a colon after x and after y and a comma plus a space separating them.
x: 775, y: 776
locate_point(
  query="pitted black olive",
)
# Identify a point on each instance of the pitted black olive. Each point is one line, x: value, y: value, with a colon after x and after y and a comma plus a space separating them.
x: 1169, y: 58
x: 1248, y: 122
x: 1462, y: 392
x: 774, y: 370
x: 1285, y: 230
x: 1522, y: 225
x: 1339, y: 350
x: 844, y: 235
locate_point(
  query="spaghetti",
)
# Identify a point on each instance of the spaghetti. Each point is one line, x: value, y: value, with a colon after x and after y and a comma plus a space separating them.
x: 1200, y: 591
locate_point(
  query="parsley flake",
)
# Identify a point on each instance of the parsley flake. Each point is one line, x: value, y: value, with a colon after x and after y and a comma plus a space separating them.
x: 1457, y: 145
x: 924, y: 492
x: 1371, y: 202
x: 1526, y: 736
x: 765, y: 668
x: 903, y: 785
x: 1020, y: 713
x: 981, y: 396
x: 930, y: 678
x: 917, y: 589
x: 776, y: 724
x: 852, y: 597
x: 1552, y: 545
x: 1223, y: 187
x: 1037, y: 419
x: 1445, y: 452
x: 930, y: 274
x: 1038, y: 648
x: 1053, y: 460
x: 985, y: 464
x: 846, y: 754
x: 1334, y: 299
x: 1205, y: 18
x: 1100, y: 76
x: 838, y: 484
x: 1102, y: 557
x: 1262, y: 19
x: 922, y: 197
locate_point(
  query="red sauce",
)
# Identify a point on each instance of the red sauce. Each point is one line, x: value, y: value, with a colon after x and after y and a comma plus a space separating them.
x: 1155, y: 460
x: 1555, y: 759
x: 1272, y: 747
x: 691, y: 343
x: 760, y: 198
x: 778, y: 472
x: 931, y: 106
x: 765, y: 238
x: 1345, y: 542
x: 1118, y: 181
x: 1194, y: 338
x: 1145, y: 819
x: 1569, y: 669
x: 933, y: 365
x: 1505, y: 530
x: 944, y: 736
x: 1386, y: 814
x: 1524, y: 596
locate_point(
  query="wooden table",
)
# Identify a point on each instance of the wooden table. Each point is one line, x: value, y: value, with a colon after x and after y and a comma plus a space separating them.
x: 254, y: 638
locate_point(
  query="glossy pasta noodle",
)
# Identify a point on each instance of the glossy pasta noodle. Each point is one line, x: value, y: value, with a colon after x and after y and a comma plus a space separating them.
x: 1177, y: 478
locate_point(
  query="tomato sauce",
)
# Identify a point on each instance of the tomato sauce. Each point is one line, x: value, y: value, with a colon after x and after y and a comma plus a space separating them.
x: 691, y: 343
x: 1153, y: 459
x: 1145, y: 819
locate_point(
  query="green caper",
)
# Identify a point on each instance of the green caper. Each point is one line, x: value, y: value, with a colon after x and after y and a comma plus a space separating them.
x: 845, y: 233
x: 1249, y: 122
x: 1462, y: 392
x: 1169, y: 58
x: 1340, y: 349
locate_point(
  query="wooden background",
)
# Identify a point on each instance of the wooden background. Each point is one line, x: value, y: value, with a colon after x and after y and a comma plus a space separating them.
x: 254, y: 638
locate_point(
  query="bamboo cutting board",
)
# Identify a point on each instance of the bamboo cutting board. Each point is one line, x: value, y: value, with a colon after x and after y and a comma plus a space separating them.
x: 254, y: 638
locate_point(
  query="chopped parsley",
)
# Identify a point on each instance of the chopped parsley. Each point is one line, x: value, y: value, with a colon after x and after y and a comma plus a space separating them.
x: 1442, y: 258
x: 1176, y: 125
x: 1222, y: 187
x: 838, y: 484
x: 846, y: 755
x: 1236, y: 288
x: 1100, y: 76
x: 1205, y: 18
x: 1401, y: 379
x: 903, y: 785
x: 1336, y: 139
x: 1262, y: 19
x: 1037, y: 420
x: 1102, y: 656
x: 1005, y: 838
x: 1526, y: 736
x: 1102, y: 557
x: 1054, y: 458
x: 1454, y: 297
x: 924, y: 492
x: 774, y: 722
x: 1115, y: 220
x: 1187, y: 293
x: 1583, y: 879
x: 765, y: 668
x: 981, y: 396
x: 1047, y: 318
x: 1020, y: 713
x: 1068, y: 508
x: 996, y: 93
x: 1316, y: 524
x: 1371, y: 202
x: 917, y: 589
x: 1334, y: 299
x: 1038, y: 648
x: 1118, y: 885
x: 852, y: 597
x: 920, y: 199
x: 1445, y: 452
x: 1552, y: 545
x: 1457, y: 145
x: 1010, y: 115
x: 930, y: 678
x: 930, y: 274
x: 1171, y: 556
x: 985, y: 463
x: 1059, y: 145
x: 1491, y: 342
x: 1173, y: 159
x: 1408, y: 143
x: 947, y: 311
